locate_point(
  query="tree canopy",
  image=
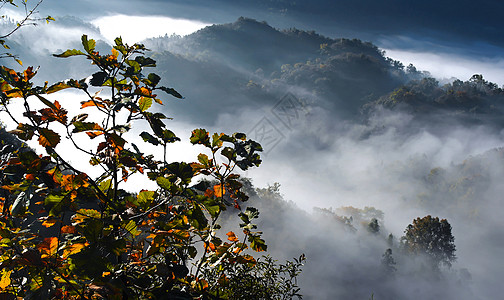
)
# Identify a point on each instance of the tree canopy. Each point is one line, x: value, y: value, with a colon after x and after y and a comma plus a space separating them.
x: 431, y: 237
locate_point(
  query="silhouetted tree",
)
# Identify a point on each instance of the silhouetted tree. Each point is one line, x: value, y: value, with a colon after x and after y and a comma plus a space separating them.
x: 432, y: 237
x: 373, y: 226
x: 388, y: 262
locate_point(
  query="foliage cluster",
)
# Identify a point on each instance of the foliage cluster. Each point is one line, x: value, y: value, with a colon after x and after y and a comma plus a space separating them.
x: 65, y: 234
x: 475, y: 95
x: 431, y: 237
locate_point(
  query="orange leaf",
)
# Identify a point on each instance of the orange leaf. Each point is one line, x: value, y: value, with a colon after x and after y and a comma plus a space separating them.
x: 71, y: 182
x: 210, y: 246
x: 142, y: 91
x: 30, y: 177
x: 219, y: 190
x: 92, y: 103
x: 115, y: 53
x: 28, y: 74
x: 48, y: 138
x: 232, y: 237
x: 49, y: 223
x: 209, y: 193
x: 246, y: 259
x: 93, y: 134
x: 136, y: 256
x: 48, y: 247
x: 68, y: 229
x: 202, y: 284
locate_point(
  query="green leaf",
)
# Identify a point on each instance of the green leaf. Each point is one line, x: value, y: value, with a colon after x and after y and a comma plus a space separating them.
x: 24, y: 131
x: 121, y: 128
x: 145, y: 61
x: 117, y: 246
x: 79, y: 263
x: 197, y: 218
x: 105, y: 185
x: 227, y: 138
x: 229, y: 153
x: 153, y: 79
x: 203, y: 158
x: 212, y: 206
x: 247, y: 216
x: 131, y: 227
x: 216, y: 140
x: 200, y: 136
x: 256, y: 243
x: 240, y: 136
x: 170, y: 91
x: 155, y: 123
x: 92, y: 229
x: 144, y: 103
x: 147, y: 137
x: 145, y: 198
x: 98, y: 78
x: 182, y: 170
x: 164, y: 183
x: 79, y: 118
x: 135, y: 67
x: 252, y: 212
x: 85, y: 126
x: 28, y: 157
x: 89, y: 45
x: 47, y: 102
x: 120, y: 46
x: 169, y: 136
x: 48, y: 138
x: 53, y: 199
x: 69, y: 53
x: 56, y: 203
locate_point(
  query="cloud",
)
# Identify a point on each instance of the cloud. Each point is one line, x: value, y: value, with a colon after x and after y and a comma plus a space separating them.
x: 137, y: 28
x: 446, y: 59
x: 449, y: 65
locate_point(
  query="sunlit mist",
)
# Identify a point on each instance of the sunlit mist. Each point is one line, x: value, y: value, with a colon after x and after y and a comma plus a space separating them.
x: 136, y: 28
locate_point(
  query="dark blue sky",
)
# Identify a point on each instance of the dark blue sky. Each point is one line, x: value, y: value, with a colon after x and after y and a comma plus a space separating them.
x: 458, y: 21
x: 462, y: 29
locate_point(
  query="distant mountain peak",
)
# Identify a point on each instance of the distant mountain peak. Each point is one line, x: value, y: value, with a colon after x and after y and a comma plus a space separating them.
x: 245, y: 23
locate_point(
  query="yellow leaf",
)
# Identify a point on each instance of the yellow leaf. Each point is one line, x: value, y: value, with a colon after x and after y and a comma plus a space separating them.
x: 5, y: 281
x: 72, y: 249
x: 115, y: 53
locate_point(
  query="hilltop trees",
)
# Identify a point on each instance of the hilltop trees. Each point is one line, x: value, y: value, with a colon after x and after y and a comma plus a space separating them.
x: 66, y: 234
x: 424, y: 96
x: 431, y: 237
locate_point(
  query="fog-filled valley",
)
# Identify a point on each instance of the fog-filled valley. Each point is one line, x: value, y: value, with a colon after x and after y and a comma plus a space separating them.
x: 356, y: 146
